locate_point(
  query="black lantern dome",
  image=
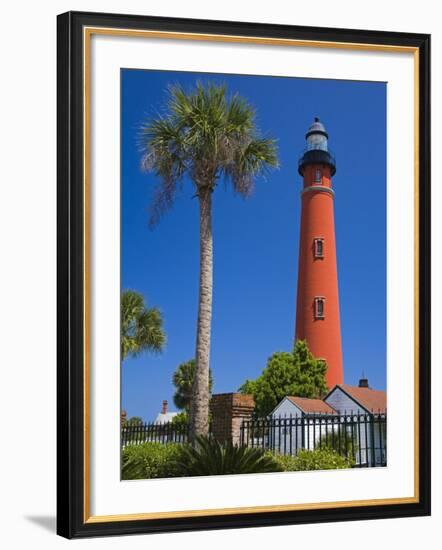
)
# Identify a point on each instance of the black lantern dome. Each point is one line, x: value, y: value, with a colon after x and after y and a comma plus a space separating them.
x: 316, y: 151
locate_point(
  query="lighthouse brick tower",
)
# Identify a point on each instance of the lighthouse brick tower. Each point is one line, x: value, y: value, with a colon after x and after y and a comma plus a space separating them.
x: 317, y: 310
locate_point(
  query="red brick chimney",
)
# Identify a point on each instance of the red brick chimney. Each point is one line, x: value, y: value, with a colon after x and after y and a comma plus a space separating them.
x: 363, y: 382
x: 164, y: 409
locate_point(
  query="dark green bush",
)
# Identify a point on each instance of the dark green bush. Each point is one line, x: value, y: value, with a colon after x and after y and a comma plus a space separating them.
x: 343, y: 443
x: 209, y: 457
x: 150, y: 460
x: 319, y: 459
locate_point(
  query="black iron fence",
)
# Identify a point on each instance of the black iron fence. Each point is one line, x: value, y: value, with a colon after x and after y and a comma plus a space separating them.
x: 170, y: 432
x: 360, y: 437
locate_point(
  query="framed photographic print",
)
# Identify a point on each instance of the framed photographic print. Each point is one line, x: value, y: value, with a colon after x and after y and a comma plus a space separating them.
x: 243, y: 274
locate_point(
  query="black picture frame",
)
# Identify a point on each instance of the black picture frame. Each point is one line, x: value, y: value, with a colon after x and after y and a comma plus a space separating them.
x: 71, y: 520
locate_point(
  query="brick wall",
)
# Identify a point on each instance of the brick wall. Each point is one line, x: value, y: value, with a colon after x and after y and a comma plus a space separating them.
x: 228, y: 412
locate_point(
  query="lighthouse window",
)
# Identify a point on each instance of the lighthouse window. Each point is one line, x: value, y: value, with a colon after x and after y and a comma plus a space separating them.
x: 318, y: 176
x: 319, y: 307
x: 319, y: 248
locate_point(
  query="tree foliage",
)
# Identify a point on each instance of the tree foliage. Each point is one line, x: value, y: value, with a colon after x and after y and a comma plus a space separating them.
x: 296, y: 373
x: 182, y: 379
x: 203, y: 134
x: 181, y: 419
x: 134, y: 421
x: 141, y: 326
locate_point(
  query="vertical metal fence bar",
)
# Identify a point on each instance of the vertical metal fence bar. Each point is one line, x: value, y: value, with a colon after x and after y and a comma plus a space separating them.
x: 381, y: 450
x: 373, y: 440
x: 291, y: 434
x: 320, y: 434
x: 284, y: 431
x: 368, y: 451
x: 278, y: 420
x: 358, y: 436
x: 339, y: 436
x: 366, y: 427
x: 345, y: 437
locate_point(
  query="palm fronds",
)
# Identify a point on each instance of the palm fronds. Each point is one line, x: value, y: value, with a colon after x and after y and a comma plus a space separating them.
x: 141, y: 326
x: 209, y: 457
x: 205, y: 135
x: 182, y: 379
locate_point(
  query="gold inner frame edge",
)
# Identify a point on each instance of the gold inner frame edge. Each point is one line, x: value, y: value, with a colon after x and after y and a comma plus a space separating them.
x: 87, y: 33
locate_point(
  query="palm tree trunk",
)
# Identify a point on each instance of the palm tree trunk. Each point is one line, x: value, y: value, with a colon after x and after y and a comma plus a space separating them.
x: 199, y: 411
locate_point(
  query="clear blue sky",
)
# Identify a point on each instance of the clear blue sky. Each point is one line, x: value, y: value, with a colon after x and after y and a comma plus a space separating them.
x: 256, y: 240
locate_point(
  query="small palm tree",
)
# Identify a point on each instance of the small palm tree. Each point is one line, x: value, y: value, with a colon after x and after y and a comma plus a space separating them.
x: 141, y: 326
x: 183, y: 379
x: 205, y: 136
x: 209, y: 457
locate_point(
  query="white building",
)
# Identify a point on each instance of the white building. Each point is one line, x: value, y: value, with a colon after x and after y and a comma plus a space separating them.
x: 297, y: 423
x: 353, y: 416
x: 164, y: 416
x: 370, y: 407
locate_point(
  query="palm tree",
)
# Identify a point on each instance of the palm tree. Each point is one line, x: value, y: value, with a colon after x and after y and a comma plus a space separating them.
x: 183, y: 381
x: 141, y: 326
x: 210, y: 457
x: 205, y: 136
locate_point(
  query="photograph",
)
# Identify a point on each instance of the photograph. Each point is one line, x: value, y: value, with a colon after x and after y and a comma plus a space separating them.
x: 253, y: 274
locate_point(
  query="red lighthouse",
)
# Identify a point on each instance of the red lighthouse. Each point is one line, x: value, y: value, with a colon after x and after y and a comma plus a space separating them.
x: 317, y: 310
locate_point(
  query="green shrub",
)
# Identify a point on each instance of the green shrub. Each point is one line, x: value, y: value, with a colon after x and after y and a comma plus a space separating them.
x: 319, y: 459
x: 209, y: 457
x: 343, y: 443
x: 180, y: 419
x: 150, y: 460
x: 286, y: 462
